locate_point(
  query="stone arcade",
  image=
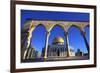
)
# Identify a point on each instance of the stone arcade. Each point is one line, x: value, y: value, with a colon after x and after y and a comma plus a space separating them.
x: 29, y: 27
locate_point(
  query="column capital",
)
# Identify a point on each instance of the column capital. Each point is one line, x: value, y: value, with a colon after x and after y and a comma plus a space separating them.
x: 65, y: 32
x: 83, y: 33
x: 47, y: 32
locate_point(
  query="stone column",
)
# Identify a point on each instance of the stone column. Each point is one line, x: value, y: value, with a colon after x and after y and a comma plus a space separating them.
x: 66, y: 35
x: 26, y: 53
x: 46, y: 44
x: 31, y: 53
x: 86, y: 43
x: 23, y: 41
x: 64, y: 52
x: 30, y: 30
x: 24, y: 46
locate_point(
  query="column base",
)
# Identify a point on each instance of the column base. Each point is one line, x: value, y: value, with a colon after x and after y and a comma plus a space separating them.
x: 45, y: 58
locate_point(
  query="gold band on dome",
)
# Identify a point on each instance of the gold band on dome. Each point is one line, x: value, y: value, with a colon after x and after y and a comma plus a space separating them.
x: 58, y: 40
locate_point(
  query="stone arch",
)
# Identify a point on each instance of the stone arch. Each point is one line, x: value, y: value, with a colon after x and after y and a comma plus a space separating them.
x: 82, y: 34
x: 74, y: 26
x: 68, y: 28
x: 60, y: 25
x: 40, y: 37
x: 40, y: 25
x: 63, y: 27
x: 48, y: 34
x: 31, y: 27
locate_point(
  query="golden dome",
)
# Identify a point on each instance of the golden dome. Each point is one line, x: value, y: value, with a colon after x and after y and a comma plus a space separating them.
x: 58, y: 40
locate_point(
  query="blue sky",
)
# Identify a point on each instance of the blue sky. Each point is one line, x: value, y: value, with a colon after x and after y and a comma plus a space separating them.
x: 38, y: 35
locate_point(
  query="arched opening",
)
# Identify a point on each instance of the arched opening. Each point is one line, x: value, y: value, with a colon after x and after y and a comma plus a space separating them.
x: 76, y: 41
x: 57, y: 30
x: 38, y: 40
x: 57, y: 43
